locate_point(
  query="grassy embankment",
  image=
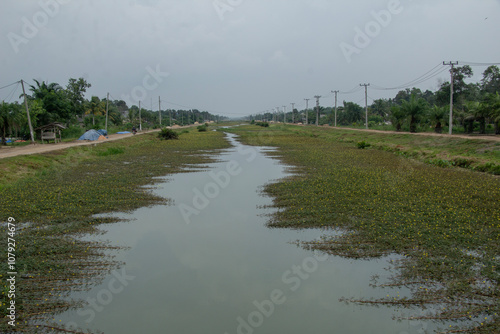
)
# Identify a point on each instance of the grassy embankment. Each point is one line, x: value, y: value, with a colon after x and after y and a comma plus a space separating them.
x: 59, y: 193
x: 445, y: 222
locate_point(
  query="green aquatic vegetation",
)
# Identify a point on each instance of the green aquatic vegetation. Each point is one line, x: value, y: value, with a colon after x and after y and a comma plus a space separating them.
x: 56, y: 200
x: 444, y: 223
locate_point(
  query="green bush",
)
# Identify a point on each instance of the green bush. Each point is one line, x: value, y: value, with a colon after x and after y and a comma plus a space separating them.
x: 202, y: 128
x: 167, y: 134
x: 362, y: 145
x: 111, y: 151
x: 462, y: 162
x: 263, y: 124
x: 439, y: 162
x: 73, y: 132
x: 489, y: 167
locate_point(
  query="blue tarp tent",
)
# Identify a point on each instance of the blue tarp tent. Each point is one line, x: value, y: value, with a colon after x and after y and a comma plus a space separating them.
x: 92, y: 135
x: 103, y: 132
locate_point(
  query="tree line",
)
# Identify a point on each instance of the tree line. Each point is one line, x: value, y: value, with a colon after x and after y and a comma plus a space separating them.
x: 51, y: 102
x: 476, y: 107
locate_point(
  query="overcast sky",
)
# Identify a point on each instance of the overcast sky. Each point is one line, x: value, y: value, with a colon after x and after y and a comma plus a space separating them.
x: 241, y: 57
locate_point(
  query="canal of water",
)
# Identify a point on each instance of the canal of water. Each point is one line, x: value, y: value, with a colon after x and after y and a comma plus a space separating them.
x: 208, y: 264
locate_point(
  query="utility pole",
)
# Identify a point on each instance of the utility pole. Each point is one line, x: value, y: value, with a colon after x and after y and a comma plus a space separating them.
x: 159, y: 108
x: 452, y: 64
x: 366, y: 103
x: 170, y: 113
x: 293, y: 113
x: 28, y: 114
x: 307, y: 110
x: 284, y: 114
x: 107, y: 110
x: 140, y: 119
x: 317, y: 97
x: 336, y: 92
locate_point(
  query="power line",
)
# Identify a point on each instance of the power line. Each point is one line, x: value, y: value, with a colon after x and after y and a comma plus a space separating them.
x: 12, y: 84
x: 424, y: 77
x: 11, y: 94
x: 477, y: 64
x: 352, y: 91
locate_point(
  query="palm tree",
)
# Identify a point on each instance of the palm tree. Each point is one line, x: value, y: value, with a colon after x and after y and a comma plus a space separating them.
x: 493, y: 104
x: 414, y: 109
x: 4, y: 121
x: 42, y: 89
x: 477, y: 111
x: 95, y: 107
x: 468, y: 115
x: 7, y: 119
x: 437, y: 115
x: 397, y: 117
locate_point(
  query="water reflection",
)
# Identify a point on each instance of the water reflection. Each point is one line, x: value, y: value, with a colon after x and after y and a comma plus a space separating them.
x: 222, y: 271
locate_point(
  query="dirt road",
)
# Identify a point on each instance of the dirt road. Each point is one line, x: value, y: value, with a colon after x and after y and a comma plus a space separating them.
x: 430, y: 134
x: 9, y: 151
x: 12, y: 151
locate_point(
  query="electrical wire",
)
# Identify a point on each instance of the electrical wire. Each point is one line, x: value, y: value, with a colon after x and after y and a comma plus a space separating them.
x: 435, y: 71
x: 11, y: 94
x: 477, y: 64
x: 12, y: 84
x: 352, y: 91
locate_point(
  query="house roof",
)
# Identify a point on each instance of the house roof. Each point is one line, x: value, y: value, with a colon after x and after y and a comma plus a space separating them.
x: 51, y: 126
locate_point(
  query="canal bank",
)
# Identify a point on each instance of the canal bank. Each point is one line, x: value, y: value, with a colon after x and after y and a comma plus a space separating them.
x: 208, y: 263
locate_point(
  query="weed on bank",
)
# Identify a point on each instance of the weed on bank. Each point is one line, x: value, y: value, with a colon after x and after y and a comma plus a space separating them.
x: 54, y: 198
x: 443, y: 223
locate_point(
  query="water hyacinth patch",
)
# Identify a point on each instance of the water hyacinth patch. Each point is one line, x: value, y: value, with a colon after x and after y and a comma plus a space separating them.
x: 55, y: 197
x: 443, y: 222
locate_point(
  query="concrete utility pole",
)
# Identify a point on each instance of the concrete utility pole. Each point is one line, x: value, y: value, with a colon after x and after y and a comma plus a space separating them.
x: 284, y: 114
x: 107, y: 110
x: 140, y: 119
x: 159, y: 108
x: 293, y: 112
x: 28, y: 114
x: 452, y: 64
x: 317, y: 97
x: 366, y: 103
x: 336, y: 92
x: 307, y: 111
